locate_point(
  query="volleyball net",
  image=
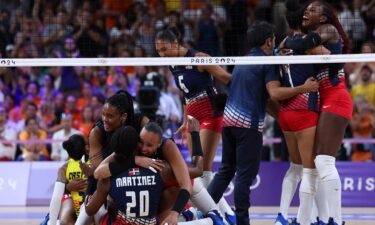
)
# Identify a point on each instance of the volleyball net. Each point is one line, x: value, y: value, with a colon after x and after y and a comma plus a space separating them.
x: 55, y: 55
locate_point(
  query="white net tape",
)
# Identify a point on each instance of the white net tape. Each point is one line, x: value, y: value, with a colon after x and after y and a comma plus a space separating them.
x: 244, y: 60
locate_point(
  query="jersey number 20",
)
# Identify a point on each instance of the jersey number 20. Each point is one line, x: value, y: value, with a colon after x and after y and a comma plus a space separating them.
x: 143, y: 201
x: 182, y: 85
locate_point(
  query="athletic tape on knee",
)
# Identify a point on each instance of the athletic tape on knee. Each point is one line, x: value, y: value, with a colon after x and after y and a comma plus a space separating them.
x: 326, y: 167
x: 201, y: 198
x: 55, y: 205
x: 308, y: 183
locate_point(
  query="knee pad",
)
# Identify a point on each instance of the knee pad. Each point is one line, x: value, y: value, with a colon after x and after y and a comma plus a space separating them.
x: 294, y: 172
x: 308, y: 183
x: 326, y: 167
x: 197, y: 187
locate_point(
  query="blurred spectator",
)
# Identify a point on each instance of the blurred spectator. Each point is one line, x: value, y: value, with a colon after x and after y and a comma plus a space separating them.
x: 112, y: 9
x: 353, y: 23
x: 7, y: 133
x: 121, y: 30
x: 55, y: 34
x: 365, y: 87
x: 71, y: 108
x: 58, y: 153
x: 20, y: 90
x: 208, y: 32
x: 362, y: 126
x: 33, y: 151
x: 87, y: 120
x: 27, y: 40
x: 32, y: 90
x: 47, y: 90
x: 368, y: 47
x: 88, y: 36
x: 29, y: 109
x: 86, y: 97
x: 46, y: 113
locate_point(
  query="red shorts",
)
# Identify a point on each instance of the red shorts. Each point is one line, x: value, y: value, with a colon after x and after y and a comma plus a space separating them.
x: 119, y: 221
x: 213, y: 124
x: 65, y: 197
x: 174, y: 183
x: 202, y: 111
x: 337, y: 101
x: 297, y: 120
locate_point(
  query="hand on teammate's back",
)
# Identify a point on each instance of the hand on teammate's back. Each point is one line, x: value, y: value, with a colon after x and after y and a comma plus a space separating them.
x: 311, y: 85
x: 147, y: 162
x: 193, y: 124
x: 86, y: 169
x: 77, y: 184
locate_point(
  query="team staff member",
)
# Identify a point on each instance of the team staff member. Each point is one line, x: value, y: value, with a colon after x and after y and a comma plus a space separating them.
x: 243, y: 121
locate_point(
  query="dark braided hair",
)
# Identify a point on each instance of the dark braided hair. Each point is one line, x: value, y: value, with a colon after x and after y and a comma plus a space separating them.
x: 123, y: 102
x: 332, y: 19
x: 124, y: 141
x: 294, y: 14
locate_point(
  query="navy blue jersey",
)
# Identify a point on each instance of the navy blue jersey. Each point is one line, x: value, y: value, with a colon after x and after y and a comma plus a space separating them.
x: 189, y: 80
x: 136, y: 193
x: 295, y: 75
x: 247, y: 99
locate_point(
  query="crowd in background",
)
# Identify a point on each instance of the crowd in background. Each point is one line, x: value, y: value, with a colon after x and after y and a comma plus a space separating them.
x: 40, y: 103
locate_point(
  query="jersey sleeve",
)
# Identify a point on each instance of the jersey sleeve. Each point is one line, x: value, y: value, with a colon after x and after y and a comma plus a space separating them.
x: 271, y: 73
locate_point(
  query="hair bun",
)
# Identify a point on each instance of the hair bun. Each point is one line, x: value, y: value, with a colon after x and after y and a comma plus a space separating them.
x: 68, y: 145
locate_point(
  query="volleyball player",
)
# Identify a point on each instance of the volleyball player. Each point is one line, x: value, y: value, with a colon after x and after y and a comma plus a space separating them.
x: 66, y: 205
x: 298, y: 118
x: 117, y: 112
x: 202, y: 100
x: 336, y: 108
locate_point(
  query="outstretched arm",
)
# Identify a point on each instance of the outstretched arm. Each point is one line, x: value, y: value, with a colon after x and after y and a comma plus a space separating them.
x: 217, y: 71
x: 58, y: 191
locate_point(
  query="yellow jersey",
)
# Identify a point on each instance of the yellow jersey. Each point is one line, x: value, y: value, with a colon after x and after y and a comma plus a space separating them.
x: 73, y: 171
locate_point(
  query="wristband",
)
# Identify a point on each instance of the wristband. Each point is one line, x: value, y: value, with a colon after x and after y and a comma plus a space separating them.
x: 196, y: 144
x: 182, y: 198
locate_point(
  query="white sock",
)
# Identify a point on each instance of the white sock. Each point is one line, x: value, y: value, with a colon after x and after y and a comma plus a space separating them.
x: 291, y: 179
x: 201, y: 198
x: 307, y: 192
x: 207, y: 178
x: 321, y: 203
x: 55, y: 204
x: 205, y: 221
x: 314, y: 212
x: 224, y: 207
x: 330, y: 185
x: 83, y: 218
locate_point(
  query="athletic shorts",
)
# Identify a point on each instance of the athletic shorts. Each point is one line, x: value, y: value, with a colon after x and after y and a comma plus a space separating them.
x: 297, y: 120
x: 337, y: 101
x: 123, y: 221
x: 213, y: 124
x: 65, y: 197
x: 174, y: 183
